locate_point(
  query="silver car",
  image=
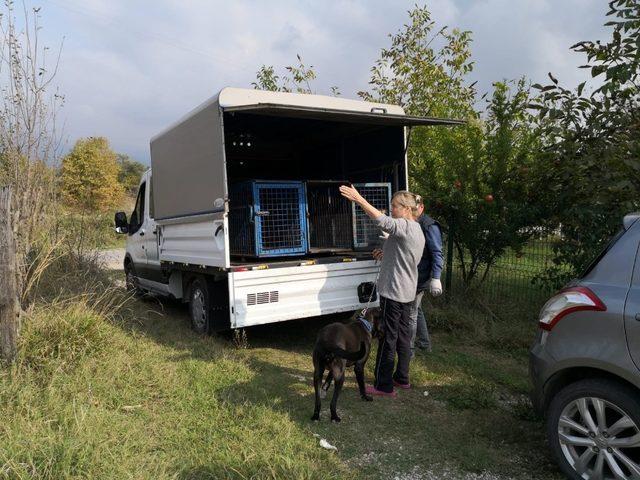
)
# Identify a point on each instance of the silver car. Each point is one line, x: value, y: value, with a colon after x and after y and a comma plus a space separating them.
x: 585, y: 365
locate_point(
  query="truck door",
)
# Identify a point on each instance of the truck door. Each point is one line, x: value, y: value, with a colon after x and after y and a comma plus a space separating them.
x: 152, y: 269
x: 136, y: 240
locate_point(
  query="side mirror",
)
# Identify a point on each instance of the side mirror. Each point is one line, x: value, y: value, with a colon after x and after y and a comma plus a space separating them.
x: 120, y: 220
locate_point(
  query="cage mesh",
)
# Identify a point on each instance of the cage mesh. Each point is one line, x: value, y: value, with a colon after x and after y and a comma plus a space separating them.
x: 268, y: 219
x: 330, y: 219
x: 366, y: 232
x: 281, y: 219
x: 241, y: 223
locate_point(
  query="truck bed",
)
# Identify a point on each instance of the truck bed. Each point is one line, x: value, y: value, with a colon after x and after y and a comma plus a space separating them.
x: 313, y: 258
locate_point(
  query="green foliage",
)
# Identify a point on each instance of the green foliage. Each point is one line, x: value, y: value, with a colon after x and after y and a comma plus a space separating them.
x: 425, y: 69
x: 479, y: 178
x: 89, y: 176
x: 299, y: 81
x: 484, y: 182
x: 130, y: 173
x: 592, y: 140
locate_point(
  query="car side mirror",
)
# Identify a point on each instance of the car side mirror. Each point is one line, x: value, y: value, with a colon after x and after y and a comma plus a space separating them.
x: 120, y: 220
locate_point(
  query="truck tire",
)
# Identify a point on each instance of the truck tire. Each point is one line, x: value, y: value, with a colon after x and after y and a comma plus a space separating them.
x: 587, y: 446
x: 130, y: 280
x: 200, y: 306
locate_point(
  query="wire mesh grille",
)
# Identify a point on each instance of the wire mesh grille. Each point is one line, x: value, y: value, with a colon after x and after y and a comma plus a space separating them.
x: 281, y: 218
x: 330, y: 222
x: 267, y: 218
x: 365, y: 230
x: 241, y: 224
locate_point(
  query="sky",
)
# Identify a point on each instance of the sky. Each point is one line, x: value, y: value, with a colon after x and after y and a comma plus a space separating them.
x: 130, y: 68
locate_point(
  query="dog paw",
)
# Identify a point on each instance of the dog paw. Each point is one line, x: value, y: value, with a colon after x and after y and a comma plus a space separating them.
x: 367, y: 398
x: 336, y: 419
x: 315, y: 417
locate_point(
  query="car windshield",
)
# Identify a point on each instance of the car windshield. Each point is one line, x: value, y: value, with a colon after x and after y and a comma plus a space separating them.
x: 607, y: 247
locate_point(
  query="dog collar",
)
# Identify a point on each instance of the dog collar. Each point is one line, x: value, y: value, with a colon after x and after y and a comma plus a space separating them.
x: 366, y: 324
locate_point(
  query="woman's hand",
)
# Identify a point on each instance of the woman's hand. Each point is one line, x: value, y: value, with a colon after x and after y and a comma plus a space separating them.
x: 350, y: 193
x: 377, y: 254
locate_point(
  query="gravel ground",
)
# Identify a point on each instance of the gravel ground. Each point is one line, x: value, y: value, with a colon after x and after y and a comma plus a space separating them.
x: 112, y: 259
x: 445, y: 473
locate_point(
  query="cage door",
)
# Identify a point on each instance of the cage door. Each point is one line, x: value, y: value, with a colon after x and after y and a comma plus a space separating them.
x: 280, y: 218
x: 366, y: 232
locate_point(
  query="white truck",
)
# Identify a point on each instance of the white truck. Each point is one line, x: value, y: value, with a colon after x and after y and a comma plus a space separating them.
x: 181, y: 234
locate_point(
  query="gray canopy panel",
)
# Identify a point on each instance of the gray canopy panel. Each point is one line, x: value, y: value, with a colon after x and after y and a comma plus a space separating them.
x: 375, y: 117
x: 187, y: 162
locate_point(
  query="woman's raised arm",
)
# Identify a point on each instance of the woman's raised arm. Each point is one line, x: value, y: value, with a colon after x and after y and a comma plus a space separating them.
x: 352, y: 194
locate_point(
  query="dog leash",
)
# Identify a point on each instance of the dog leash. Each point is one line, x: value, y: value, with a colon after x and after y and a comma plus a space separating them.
x: 361, y: 317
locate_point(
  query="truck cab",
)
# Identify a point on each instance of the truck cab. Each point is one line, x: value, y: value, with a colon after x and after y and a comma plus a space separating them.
x: 142, y: 260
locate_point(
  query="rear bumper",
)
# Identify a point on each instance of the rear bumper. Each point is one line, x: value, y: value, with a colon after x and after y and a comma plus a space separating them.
x: 539, y: 368
x: 272, y: 295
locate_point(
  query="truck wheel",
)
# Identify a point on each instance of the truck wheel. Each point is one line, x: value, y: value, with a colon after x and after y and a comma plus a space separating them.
x: 199, y: 306
x: 593, y: 428
x: 131, y: 281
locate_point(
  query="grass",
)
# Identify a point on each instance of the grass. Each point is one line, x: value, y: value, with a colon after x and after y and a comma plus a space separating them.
x: 123, y: 389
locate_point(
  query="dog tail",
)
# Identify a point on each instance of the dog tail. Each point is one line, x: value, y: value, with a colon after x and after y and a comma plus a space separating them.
x: 351, y: 356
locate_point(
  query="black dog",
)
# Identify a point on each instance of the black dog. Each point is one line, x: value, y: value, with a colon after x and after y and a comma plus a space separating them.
x: 339, y: 346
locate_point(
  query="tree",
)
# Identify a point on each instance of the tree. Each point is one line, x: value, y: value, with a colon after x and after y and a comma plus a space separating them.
x: 487, y: 188
x: 89, y: 176
x: 478, y: 178
x: 130, y: 173
x: 8, y: 293
x: 29, y: 138
x: 299, y: 82
x: 592, y: 143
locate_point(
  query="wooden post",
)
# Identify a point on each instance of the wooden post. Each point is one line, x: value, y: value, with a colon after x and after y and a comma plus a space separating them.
x: 8, y: 295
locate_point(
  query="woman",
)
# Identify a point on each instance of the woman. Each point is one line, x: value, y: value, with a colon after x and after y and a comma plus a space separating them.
x: 396, y: 286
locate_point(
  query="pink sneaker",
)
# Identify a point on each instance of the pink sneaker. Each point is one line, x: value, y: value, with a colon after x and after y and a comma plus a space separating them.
x: 371, y: 390
x: 403, y: 386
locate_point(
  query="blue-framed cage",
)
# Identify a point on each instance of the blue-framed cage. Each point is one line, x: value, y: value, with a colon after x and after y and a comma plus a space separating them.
x: 268, y: 219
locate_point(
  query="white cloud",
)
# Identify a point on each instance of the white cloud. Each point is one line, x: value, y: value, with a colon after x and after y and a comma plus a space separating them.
x: 130, y: 68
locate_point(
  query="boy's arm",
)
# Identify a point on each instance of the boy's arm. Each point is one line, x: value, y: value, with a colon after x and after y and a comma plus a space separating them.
x: 433, y: 238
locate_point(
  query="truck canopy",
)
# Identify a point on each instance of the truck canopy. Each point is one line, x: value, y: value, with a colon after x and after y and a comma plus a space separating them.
x: 244, y: 133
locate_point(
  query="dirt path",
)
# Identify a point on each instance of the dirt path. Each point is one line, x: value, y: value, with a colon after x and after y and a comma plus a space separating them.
x: 112, y: 259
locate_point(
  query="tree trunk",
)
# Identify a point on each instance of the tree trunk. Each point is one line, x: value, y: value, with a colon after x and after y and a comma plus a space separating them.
x: 8, y: 295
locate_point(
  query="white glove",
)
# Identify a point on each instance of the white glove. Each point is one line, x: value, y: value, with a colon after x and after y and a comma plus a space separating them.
x: 435, y: 287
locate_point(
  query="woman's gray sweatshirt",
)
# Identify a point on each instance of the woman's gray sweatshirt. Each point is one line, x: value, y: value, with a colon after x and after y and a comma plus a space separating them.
x: 402, y: 253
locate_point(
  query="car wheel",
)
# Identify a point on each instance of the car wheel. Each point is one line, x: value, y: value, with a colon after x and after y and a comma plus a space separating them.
x: 593, y: 428
x: 199, y: 306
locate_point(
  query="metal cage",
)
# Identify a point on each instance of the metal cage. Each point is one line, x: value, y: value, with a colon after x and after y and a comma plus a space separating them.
x: 330, y: 218
x: 268, y: 219
x: 366, y: 232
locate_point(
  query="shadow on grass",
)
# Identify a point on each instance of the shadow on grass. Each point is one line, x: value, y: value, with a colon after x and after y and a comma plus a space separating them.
x: 456, y: 425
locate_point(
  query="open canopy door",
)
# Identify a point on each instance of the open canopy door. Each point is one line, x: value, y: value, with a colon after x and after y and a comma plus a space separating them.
x: 377, y: 116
